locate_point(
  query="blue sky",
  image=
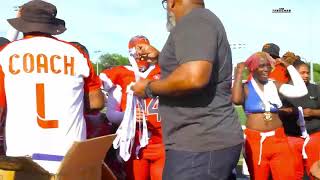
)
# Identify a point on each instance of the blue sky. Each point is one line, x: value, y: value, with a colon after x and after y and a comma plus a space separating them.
x: 107, y: 25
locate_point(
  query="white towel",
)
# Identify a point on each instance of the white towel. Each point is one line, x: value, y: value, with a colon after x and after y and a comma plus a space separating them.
x: 269, y: 95
x: 127, y: 129
x: 304, y: 133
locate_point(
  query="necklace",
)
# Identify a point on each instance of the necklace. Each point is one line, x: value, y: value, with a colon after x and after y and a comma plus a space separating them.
x: 266, y: 103
x: 267, y: 116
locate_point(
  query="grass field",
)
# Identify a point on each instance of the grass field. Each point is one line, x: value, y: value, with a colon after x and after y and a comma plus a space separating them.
x: 242, y: 118
x: 241, y: 114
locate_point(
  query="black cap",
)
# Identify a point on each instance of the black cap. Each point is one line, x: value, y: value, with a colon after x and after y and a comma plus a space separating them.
x: 272, y: 49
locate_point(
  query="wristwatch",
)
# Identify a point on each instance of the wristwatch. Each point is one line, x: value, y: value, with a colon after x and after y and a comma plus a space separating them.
x: 148, y: 91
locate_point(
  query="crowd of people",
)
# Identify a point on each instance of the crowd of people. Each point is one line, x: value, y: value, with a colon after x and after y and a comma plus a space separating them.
x: 173, y: 112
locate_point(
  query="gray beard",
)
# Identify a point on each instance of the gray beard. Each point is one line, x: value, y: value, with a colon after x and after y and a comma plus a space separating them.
x: 171, y: 21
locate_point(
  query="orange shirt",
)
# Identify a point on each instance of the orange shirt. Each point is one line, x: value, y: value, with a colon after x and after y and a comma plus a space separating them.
x: 279, y: 74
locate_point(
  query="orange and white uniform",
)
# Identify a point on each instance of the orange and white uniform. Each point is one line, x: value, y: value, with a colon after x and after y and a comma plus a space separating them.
x: 44, y: 82
x: 149, y: 161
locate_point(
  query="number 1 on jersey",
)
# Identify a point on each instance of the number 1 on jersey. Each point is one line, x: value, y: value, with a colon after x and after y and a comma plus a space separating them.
x: 41, y: 110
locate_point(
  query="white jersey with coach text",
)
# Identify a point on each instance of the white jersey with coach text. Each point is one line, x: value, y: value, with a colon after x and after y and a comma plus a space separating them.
x: 44, y: 81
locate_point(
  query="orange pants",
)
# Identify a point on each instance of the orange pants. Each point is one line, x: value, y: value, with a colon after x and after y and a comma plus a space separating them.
x: 312, y: 151
x: 150, y: 164
x: 275, y: 155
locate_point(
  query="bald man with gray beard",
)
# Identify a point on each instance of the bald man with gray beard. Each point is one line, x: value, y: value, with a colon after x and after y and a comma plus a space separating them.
x: 202, y: 133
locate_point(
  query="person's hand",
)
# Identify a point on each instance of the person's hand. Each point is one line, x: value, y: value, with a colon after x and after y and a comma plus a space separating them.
x: 147, y: 52
x: 307, y: 112
x: 139, y: 115
x: 289, y: 111
x: 277, y: 61
x: 283, y: 62
x: 240, y: 67
x: 315, y: 170
x: 139, y: 87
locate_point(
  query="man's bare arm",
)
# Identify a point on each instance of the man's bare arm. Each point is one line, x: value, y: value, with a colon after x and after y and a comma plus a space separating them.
x: 186, y: 78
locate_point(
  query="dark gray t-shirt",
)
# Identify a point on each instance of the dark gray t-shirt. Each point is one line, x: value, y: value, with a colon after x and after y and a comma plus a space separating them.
x: 204, y: 120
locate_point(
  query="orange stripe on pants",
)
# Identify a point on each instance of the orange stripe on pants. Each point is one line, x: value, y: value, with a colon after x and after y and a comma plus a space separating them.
x: 276, y: 156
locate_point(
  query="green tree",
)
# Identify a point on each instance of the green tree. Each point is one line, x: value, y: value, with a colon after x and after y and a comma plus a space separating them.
x: 113, y: 59
x: 316, y: 72
x: 109, y: 60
